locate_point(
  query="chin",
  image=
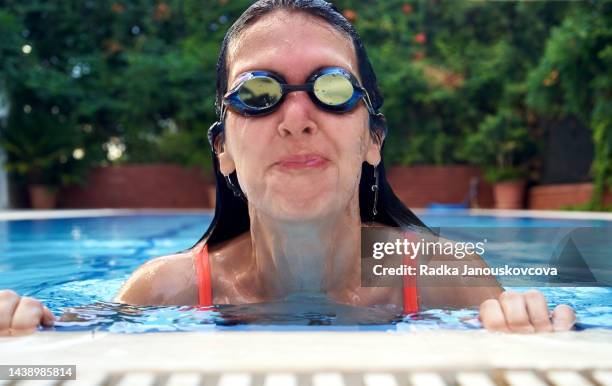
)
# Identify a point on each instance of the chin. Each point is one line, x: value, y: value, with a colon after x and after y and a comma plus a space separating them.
x: 301, y: 207
x: 302, y: 197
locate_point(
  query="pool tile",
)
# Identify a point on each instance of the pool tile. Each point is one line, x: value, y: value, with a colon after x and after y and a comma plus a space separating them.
x: 379, y: 379
x: 184, y: 379
x: 281, y: 379
x: 426, y: 379
x: 603, y: 377
x: 38, y: 382
x: 523, y: 378
x: 474, y: 379
x: 567, y: 378
x: 235, y: 379
x: 327, y: 379
x: 137, y: 379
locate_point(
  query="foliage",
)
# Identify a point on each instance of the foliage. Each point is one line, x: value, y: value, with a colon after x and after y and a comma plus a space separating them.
x: 502, y: 146
x: 445, y: 66
x: 573, y: 78
x: 117, y: 73
x: 141, y: 74
x: 40, y: 150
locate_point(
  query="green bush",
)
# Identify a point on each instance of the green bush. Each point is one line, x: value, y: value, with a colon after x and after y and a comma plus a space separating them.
x: 43, y: 149
x: 502, y: 146
x: 573, y: 79
x: 141, y: 74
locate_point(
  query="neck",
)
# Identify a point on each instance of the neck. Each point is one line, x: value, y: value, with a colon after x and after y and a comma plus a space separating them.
x: 317, y: 256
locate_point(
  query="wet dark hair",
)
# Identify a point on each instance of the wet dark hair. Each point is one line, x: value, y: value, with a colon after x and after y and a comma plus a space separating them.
x: 231, y: 211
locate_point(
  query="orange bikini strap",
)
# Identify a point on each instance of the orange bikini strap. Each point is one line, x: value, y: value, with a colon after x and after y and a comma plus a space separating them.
x: 204, y: 277
x: 411, y: 296
x: 411, y: 299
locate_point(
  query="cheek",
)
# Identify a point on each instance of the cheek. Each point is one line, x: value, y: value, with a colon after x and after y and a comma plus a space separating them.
x: 247, y: 145
x: 354, y: 148
x: 363, y: 143
x: 240, y: 141
x: 352, y: 151
x: 362, y: 134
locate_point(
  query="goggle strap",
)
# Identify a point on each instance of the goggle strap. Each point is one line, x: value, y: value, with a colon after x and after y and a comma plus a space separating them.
x: 368, y: 103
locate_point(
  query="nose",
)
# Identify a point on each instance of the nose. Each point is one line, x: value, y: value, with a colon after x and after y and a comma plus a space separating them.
x: 296, y: 115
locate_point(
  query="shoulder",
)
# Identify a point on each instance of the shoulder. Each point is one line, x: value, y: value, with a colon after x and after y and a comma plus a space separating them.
x: 165, y: 280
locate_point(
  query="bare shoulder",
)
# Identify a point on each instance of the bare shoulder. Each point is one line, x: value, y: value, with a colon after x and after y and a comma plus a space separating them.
x: 165, y: 280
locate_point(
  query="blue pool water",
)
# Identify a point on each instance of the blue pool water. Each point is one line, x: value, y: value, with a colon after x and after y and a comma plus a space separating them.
x: 75, y: 266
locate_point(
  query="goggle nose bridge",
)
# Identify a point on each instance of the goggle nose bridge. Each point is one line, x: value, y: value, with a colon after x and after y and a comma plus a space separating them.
x: 287, y: 88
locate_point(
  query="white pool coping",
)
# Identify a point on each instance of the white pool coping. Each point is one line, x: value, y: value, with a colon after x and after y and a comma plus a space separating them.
x: 312, y: 351
x: 28, y: 214
x: 548, y: 214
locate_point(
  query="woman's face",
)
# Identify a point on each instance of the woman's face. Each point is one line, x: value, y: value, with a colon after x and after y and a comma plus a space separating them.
x: 298, y: 163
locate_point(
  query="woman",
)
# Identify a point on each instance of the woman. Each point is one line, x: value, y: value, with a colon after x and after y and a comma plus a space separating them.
x: 299, y: 175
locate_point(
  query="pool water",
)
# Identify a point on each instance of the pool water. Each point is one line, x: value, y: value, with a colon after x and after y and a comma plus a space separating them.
x: 76, y: 265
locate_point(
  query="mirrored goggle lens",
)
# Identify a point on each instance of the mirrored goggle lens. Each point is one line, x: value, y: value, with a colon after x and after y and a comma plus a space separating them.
x: 333, y: 89
x: 260, y: 92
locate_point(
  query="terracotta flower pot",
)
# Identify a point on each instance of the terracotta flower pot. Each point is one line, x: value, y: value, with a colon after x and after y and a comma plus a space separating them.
x: 41, y: 197
x: 509, y: 194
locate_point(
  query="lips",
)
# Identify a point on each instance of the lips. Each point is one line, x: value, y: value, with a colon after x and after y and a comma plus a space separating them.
x: 302, y: 161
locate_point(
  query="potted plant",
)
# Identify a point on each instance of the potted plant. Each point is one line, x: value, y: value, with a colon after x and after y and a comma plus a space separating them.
x: 508, y: 186
x: 502, y: 146
x: 43, y: 153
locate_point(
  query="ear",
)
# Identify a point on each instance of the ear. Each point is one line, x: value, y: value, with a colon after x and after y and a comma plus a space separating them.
x: 226, y: 161
x: 374, y: 147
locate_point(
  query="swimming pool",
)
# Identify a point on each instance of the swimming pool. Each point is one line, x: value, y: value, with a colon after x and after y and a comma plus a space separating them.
x: 82, y: 262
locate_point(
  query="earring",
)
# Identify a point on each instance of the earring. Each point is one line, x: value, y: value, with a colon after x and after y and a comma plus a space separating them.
x: 375, y: 190
x: 236, y: 190
x: 214, y: 130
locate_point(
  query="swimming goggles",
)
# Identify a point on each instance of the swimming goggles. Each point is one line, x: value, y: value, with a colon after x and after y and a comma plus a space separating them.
x: 332, y: 89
